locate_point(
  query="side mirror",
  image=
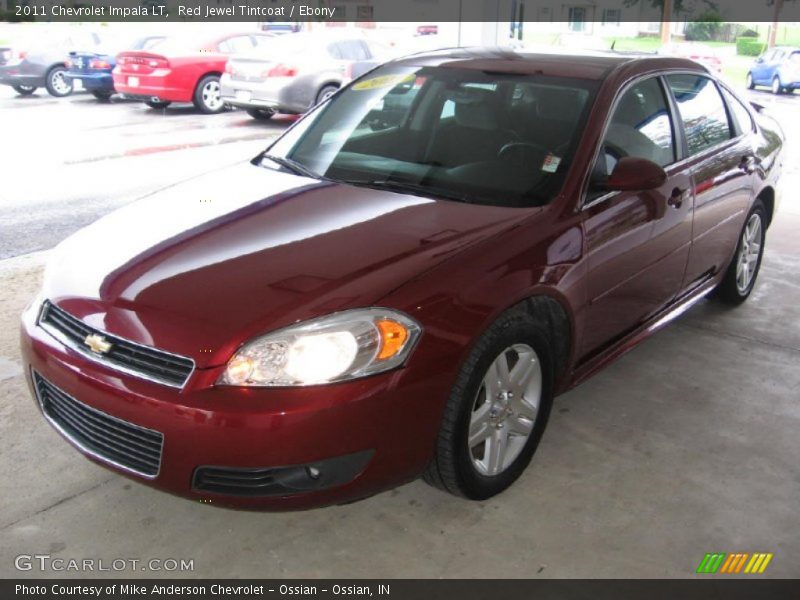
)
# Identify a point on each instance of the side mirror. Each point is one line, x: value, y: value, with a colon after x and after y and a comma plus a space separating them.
x: 760, y: 59
x: 635, y: 174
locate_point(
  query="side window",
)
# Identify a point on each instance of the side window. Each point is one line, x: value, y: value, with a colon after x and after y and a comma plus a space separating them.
x: 241, y: 43
x: 742, y: 121
x: 640, y: 127
x: 354, y: 50
x: 335, y: 51
x: 702, y: 111
x: 365, y: 49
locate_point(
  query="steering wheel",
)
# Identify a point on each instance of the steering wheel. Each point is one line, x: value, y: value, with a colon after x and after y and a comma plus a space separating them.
x: 522, y: 153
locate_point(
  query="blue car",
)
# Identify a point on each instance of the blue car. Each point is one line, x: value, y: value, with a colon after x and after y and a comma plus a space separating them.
x: 93, y: 69
x: 778, y: 69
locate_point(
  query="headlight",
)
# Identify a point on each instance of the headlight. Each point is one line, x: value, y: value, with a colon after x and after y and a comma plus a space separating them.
x: 345, y: 345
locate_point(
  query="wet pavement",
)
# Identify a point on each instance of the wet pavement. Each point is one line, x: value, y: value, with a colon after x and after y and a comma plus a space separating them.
x: 68, y: 161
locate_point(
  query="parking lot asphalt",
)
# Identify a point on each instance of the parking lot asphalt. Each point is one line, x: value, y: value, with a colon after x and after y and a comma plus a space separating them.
x: 686, y: 445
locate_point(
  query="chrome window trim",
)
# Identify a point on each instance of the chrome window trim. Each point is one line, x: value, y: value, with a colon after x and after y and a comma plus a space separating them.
x: 584, y: 205
x: 58, y: 335
x: 89, y: 452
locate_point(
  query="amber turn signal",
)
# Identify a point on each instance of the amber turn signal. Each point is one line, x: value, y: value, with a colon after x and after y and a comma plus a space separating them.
x: 393, y: 338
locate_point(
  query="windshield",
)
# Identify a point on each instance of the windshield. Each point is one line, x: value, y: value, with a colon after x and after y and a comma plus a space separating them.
x: 463, y: 134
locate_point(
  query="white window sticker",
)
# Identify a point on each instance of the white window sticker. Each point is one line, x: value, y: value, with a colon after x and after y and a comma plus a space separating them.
x: 550, y: 164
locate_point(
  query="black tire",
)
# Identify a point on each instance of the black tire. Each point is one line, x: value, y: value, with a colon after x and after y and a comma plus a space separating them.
x: 326, y: 92
x: 54, y: 85
x: 729, y: 291
x: 157, y: 105
x: 24, y: 90
x: 261, y: 114
x: 750, y: 84
x: 102, y: 96
x: 451, y: 468
x: 203, y: 96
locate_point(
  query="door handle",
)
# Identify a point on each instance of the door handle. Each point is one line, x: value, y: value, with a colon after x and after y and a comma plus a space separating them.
x: 676, y: 199
x: 747, y: 164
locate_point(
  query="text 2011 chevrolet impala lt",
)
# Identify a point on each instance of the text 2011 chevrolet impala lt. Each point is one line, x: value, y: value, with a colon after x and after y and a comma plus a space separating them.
x: 403, y: 281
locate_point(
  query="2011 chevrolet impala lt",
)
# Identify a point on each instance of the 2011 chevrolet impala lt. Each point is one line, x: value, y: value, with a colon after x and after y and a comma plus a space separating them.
x: 403, y: 281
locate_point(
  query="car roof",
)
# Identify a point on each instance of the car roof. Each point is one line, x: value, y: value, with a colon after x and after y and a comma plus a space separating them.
x: 586, y: 65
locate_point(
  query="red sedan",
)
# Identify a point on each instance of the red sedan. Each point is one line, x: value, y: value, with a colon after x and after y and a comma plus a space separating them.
x: 182, y: 70
x: 402, y: 283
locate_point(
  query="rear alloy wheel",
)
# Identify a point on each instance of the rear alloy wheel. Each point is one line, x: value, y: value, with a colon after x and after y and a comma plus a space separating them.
x: 262, y: 114
x: 102, y: 96
x: 24, y: 90
x: 497, y: 410
x: 740, y: 278
x: 776, y: 86
x: 57, y: 83
x: 208, y: 96
x: 157, y: 104
x: 326, y: 92
x: 750, y: 84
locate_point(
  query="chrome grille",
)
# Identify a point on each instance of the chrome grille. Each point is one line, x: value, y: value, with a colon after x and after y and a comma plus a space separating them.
x: 136, y: 359
x: 120, y: 443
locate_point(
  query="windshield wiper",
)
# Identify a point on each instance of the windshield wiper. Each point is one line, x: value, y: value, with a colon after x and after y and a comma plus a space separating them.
x: 292, y: 165
x: 408, y: 187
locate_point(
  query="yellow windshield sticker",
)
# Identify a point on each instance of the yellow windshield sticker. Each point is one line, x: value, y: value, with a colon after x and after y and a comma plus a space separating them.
x: 374, y: 83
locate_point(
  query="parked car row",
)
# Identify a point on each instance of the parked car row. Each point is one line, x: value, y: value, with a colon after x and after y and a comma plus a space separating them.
x: 260, y: 71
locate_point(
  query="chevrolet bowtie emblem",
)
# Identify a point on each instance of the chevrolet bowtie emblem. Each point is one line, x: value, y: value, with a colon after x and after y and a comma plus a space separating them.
x: 97, y: 343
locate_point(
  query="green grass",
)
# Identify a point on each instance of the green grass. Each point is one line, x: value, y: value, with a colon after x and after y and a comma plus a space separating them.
x: 636, y: 44
x: 734, y: 69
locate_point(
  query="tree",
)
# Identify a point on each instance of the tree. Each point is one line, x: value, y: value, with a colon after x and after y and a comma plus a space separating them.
x: 777, y: 7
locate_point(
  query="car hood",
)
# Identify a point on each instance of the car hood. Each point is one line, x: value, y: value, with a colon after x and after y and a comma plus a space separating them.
x: 203, y: 266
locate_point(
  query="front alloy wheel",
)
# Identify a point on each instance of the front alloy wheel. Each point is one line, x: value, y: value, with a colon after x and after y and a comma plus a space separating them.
x: 497, y: 410
x: 776, y: 85
x: 505, y: 409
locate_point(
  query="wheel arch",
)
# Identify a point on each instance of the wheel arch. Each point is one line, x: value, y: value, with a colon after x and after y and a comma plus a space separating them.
x: 203, y: 76
x: 767, y: 196
x: 559, y: 326
x: 325, y: 83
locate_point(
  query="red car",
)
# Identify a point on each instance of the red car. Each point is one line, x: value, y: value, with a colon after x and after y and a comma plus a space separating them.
x: 401, y: 283
x: 181, y: 70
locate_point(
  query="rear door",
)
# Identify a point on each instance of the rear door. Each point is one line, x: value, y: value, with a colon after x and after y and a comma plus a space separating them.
x: 637, y: 242
x: 722, y: 162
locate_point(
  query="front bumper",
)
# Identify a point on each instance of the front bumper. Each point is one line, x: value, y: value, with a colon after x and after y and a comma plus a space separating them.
x: 388, y: 422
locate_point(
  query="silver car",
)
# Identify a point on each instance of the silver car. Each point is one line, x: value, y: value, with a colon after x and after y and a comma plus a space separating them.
x: 42, y: 63
x: 294, y: 72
